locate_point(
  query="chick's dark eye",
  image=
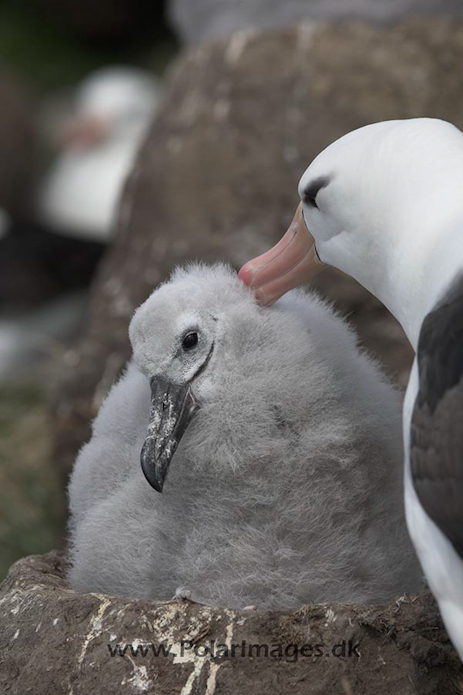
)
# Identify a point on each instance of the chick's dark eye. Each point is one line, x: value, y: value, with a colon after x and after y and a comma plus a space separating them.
x: 190, y: 340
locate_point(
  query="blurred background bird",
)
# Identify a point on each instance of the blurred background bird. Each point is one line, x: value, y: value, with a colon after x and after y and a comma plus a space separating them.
x: 112, y: 110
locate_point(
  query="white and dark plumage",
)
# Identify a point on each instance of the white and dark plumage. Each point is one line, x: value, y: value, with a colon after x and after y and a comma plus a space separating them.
x: 288, y: 473
x: 113, y: 109
x: 385, y: 205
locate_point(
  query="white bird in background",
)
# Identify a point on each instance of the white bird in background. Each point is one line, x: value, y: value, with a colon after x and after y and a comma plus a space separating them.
x: 286, y: 485
x: 385, y: 205
x: 114, y: 107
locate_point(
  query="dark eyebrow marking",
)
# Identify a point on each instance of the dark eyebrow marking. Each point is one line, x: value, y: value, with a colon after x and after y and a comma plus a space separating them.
x: 312, y: 188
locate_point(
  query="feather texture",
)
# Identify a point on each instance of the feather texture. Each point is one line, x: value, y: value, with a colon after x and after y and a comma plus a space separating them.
x: 286, y: 488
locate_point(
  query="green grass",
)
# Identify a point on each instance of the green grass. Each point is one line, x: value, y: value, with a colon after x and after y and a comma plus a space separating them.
x: 31, y: 496
x: 51, y: 57
x: 35, y: 46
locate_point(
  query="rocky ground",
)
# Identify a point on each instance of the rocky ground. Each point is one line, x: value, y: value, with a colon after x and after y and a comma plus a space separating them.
x: 54, y: 640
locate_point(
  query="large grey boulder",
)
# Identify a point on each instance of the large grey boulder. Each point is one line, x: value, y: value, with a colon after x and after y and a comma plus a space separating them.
x: 56, y: 641
x: 199, y: 20
x: 217, y: 176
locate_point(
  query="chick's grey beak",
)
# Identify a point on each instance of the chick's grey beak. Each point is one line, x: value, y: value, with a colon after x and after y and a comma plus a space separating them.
x: 172, y: 408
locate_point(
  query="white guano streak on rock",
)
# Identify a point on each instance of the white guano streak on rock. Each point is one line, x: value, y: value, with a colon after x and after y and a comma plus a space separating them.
x: 12, y: 599
x: 95, y: 628
x: 165, y: 630
x: 221, y: 109
x: 198, y: 662
x: 330, y: 616
x: 229, y: 635
x: 214, y: 668
x: 305, y: 34
x: 212, y: 679
x: 237, y: 45
x: 198, y: 666
x: 139, y: 679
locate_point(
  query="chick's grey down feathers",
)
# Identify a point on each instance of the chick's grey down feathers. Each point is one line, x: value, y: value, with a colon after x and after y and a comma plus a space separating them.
x: 285, y: 489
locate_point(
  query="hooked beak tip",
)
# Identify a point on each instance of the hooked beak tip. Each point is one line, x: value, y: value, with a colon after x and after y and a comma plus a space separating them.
x: 151, y: 472
x: 291, y: 262
x: 157, y: 485
x: 166, y: 427
x: 261, y: 297
x: 247, y: 273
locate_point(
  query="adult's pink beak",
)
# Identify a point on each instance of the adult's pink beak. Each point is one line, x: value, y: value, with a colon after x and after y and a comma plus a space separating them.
x: 85, y: 132
x: 291, y: 262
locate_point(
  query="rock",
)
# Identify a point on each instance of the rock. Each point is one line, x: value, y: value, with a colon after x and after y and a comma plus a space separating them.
x: 217, y: 176
x: 17, y: 145
x: 54, y: 640
x: 207, y: 19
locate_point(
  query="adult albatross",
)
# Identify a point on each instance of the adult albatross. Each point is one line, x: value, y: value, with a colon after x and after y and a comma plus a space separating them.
x: 385, y: 205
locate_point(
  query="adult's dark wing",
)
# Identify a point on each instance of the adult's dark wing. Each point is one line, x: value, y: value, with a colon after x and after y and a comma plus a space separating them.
x: 436, y: 442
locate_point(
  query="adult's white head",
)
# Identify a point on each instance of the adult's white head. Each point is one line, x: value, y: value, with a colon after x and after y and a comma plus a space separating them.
x: 381, y: 204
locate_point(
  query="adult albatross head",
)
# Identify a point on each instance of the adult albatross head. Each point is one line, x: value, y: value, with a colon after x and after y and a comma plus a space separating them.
x: 376, y: 204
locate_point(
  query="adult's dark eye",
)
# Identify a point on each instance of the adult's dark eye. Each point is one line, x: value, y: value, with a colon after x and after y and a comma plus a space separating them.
x: 310, y: 200
x: 190, y: 340
x: 310, y: 192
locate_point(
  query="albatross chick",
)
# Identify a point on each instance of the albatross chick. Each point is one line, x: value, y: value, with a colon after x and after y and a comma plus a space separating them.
x: 276, y: 445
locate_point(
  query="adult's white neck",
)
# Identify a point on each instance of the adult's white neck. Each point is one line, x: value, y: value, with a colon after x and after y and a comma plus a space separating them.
x: 423, y: 256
